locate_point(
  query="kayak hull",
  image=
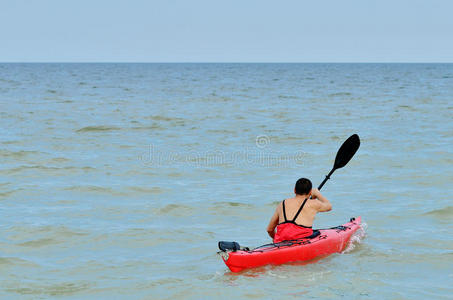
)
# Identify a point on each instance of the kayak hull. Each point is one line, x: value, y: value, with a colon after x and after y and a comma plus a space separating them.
x: 327, y: 242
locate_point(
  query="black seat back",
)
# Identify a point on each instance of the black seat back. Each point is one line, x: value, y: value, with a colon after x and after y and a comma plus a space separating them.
x: 315, y: 233
x: 224, y: 246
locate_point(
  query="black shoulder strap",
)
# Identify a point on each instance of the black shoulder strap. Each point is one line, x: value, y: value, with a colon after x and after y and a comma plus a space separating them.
x: 284, y: 212
x: 300, y: 209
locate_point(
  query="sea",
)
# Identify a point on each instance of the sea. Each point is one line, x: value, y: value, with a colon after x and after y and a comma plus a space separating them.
x: 117, y: 180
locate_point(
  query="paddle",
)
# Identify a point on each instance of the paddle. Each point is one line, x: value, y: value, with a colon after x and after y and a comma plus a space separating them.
x: 344, y: 155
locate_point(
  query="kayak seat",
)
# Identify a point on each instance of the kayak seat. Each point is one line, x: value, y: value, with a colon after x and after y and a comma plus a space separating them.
x: 315, y: 233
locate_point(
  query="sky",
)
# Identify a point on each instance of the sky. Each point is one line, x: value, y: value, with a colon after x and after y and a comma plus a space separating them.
x: 226, y: 31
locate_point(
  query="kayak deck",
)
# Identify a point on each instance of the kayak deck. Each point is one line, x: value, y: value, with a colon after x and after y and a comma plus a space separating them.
x: 324, y: 242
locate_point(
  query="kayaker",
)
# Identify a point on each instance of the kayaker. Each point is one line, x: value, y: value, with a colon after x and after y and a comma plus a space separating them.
x: 294, y: 217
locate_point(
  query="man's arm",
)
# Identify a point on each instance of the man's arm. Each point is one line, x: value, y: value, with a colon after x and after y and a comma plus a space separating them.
x: 272, y: 224
x: 324, y: 204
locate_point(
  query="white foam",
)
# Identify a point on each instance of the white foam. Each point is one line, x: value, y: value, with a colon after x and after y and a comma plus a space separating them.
x: 356, y: 238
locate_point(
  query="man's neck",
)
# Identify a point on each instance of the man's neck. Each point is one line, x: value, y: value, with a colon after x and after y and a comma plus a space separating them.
x: 301, y: 196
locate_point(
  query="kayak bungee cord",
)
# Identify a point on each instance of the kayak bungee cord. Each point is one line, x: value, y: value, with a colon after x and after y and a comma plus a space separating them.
x: 301, y: 241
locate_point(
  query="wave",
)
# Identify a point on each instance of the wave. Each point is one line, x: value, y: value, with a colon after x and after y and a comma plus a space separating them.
x: 63, y: 160
x: 445, y: 212
x: 52, y: 170
x: 147, y: 190
x: 340, y: 94
x: 55, y: 231
x: 175, y: 174
x: 163, y: 118
x: 5, y: 194
x: 274, y: 203
x: 92, y: 188
x: 287, y: 97
x: 225, y: 131
x: 103, y: 128
x: 231, y: 204
x: 98, y: 128
x: 58, y: 289
x: 39, y: 242
x: 230, y: 208
x: 15, y: 261
x: 175, y: 210
x: 407, y: 107
x: 18, y: 154
x: 151, y: 127
x: 216, y: 98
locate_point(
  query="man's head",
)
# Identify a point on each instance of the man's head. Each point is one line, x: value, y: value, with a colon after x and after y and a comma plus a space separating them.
x: 303, y: 186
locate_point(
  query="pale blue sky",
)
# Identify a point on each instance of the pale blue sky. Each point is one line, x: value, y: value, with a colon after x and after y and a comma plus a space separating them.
x: 226, y: 31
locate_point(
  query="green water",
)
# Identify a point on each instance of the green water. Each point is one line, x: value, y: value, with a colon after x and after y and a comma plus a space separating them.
x: 117, y: 180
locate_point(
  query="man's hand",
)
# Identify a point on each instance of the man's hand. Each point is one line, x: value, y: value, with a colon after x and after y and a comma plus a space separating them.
x: 315, y: 193
x: 324, y: 204
x: 271, y: 233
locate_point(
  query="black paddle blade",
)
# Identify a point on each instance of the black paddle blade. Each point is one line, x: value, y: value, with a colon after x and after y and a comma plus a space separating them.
x: 347, y: 151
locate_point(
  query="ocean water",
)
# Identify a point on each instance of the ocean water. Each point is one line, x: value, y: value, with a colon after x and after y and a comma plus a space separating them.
x: 118, y: 180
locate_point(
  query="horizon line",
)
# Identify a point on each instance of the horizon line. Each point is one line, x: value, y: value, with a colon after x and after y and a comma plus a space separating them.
x: 225, y: 62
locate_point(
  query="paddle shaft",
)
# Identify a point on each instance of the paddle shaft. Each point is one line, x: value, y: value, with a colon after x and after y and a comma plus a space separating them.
x: 325, y: 179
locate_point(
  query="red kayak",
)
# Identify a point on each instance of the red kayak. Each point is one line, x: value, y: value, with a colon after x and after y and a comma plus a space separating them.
x: 322, y: 242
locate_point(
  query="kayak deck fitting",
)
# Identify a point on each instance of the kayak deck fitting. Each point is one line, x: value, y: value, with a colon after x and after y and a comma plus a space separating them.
x: 322, y: 242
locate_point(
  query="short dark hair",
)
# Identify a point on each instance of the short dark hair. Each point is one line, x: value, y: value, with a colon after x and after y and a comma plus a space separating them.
x: 303, y: 186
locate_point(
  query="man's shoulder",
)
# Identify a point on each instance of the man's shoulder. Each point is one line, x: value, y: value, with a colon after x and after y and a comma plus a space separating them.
x: 314, y: 202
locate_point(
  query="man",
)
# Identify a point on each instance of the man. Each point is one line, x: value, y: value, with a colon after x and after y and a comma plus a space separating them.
x: 294, y: 216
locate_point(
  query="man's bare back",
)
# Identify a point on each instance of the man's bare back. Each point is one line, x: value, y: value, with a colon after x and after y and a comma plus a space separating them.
x: 315, y: 202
